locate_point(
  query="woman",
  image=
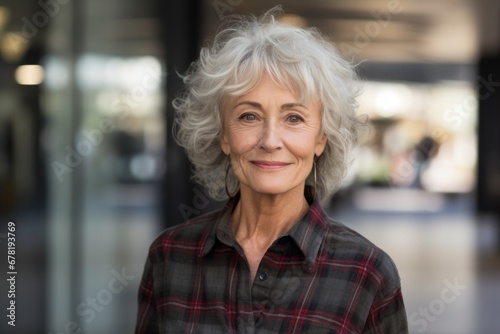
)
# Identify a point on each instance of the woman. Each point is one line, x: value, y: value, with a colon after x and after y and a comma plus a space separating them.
x: 268, y: 121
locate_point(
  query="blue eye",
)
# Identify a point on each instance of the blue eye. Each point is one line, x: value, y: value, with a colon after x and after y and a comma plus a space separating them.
x: 248, y: 117
x: 294, y: 118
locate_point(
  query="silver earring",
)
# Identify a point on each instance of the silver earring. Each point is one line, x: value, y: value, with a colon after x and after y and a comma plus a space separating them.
x: 314, y: 189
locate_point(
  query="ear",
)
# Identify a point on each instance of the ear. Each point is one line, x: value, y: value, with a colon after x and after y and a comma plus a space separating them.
x: 224, y: 144
x: 320, y: 145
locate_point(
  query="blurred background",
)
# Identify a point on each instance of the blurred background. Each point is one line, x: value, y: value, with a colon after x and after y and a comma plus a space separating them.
x: 90, y: 175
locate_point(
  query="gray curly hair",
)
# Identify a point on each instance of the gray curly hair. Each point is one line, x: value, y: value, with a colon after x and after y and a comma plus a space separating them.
x: 245, y: 49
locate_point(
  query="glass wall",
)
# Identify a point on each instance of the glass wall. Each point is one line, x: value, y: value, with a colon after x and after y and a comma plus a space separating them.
x: 103, y: 99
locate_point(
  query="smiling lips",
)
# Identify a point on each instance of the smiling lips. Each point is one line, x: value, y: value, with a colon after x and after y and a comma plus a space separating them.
x: 270, y: 165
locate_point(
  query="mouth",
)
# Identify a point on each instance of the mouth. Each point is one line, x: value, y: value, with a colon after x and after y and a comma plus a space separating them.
x: 270, y: 165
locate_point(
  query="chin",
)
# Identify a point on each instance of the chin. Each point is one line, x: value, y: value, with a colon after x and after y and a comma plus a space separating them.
x: 271, y: 189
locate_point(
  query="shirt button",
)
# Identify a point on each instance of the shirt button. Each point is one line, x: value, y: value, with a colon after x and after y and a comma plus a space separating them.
x: 263, y: 276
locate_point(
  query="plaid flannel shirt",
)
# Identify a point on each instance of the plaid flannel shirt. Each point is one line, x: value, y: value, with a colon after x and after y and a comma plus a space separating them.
x: 320, y: 277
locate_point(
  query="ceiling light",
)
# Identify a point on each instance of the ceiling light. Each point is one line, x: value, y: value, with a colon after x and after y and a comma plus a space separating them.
x: 29, y: 74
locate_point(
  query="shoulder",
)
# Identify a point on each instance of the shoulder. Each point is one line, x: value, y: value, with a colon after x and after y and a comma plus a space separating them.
x: 188, y: 236
x: 347, y: 246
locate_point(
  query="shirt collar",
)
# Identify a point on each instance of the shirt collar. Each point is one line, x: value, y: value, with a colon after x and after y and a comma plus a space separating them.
x: 307, y: 234
x: 220, y: 228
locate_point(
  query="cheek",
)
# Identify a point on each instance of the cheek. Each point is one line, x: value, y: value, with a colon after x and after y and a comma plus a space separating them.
x: 242, y: 141
x: 302, y: 145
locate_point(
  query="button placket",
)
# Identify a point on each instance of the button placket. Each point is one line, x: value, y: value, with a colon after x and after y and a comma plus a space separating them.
x: 260, y: 293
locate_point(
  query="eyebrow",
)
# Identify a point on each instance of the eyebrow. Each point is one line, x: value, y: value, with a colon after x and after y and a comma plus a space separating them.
x: 285, y: 106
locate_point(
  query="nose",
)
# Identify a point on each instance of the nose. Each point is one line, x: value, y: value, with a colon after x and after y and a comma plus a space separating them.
x: 271, y: 137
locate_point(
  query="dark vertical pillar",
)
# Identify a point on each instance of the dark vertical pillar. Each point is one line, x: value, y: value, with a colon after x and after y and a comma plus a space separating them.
x: 488, y: 171
x: 76, y: 48
x: 181, y: 35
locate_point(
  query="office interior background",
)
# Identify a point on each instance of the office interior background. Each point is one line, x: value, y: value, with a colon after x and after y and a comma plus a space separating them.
x: 89, y: 173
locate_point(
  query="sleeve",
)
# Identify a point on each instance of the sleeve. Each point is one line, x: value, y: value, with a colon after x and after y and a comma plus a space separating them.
x: 147, y: 317
x: 387, y: 315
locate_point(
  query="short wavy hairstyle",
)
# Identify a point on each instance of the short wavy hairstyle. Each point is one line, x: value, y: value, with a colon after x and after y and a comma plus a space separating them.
x: 300, y: 59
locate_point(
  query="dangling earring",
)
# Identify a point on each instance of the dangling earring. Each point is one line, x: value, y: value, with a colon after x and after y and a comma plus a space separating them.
x: 314, y: 189
x: 226, y: 183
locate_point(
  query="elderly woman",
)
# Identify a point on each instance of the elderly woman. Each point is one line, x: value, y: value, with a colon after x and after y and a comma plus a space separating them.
x: 268, y: 121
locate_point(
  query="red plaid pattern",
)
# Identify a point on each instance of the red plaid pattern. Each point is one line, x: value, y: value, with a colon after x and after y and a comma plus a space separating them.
x: 320, y: 277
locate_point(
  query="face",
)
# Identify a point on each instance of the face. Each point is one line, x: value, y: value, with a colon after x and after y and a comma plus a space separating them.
x: 272, y: 139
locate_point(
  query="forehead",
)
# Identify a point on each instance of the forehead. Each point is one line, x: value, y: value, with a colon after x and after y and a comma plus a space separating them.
x: 270, y: 102
x: 268, y: 86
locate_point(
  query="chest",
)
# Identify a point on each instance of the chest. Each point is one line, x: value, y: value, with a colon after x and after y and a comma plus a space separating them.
x: 215, y: 294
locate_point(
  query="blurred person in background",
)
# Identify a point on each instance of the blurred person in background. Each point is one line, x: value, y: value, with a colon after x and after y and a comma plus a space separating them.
x: 268, y: 120
x: 423, y: 153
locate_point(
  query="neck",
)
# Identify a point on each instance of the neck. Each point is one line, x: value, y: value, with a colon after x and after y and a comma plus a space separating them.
x: 259, y: 219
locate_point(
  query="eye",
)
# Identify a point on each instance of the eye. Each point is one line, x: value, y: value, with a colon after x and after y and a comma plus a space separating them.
x: 248, y: 117
x: 295, y: 119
